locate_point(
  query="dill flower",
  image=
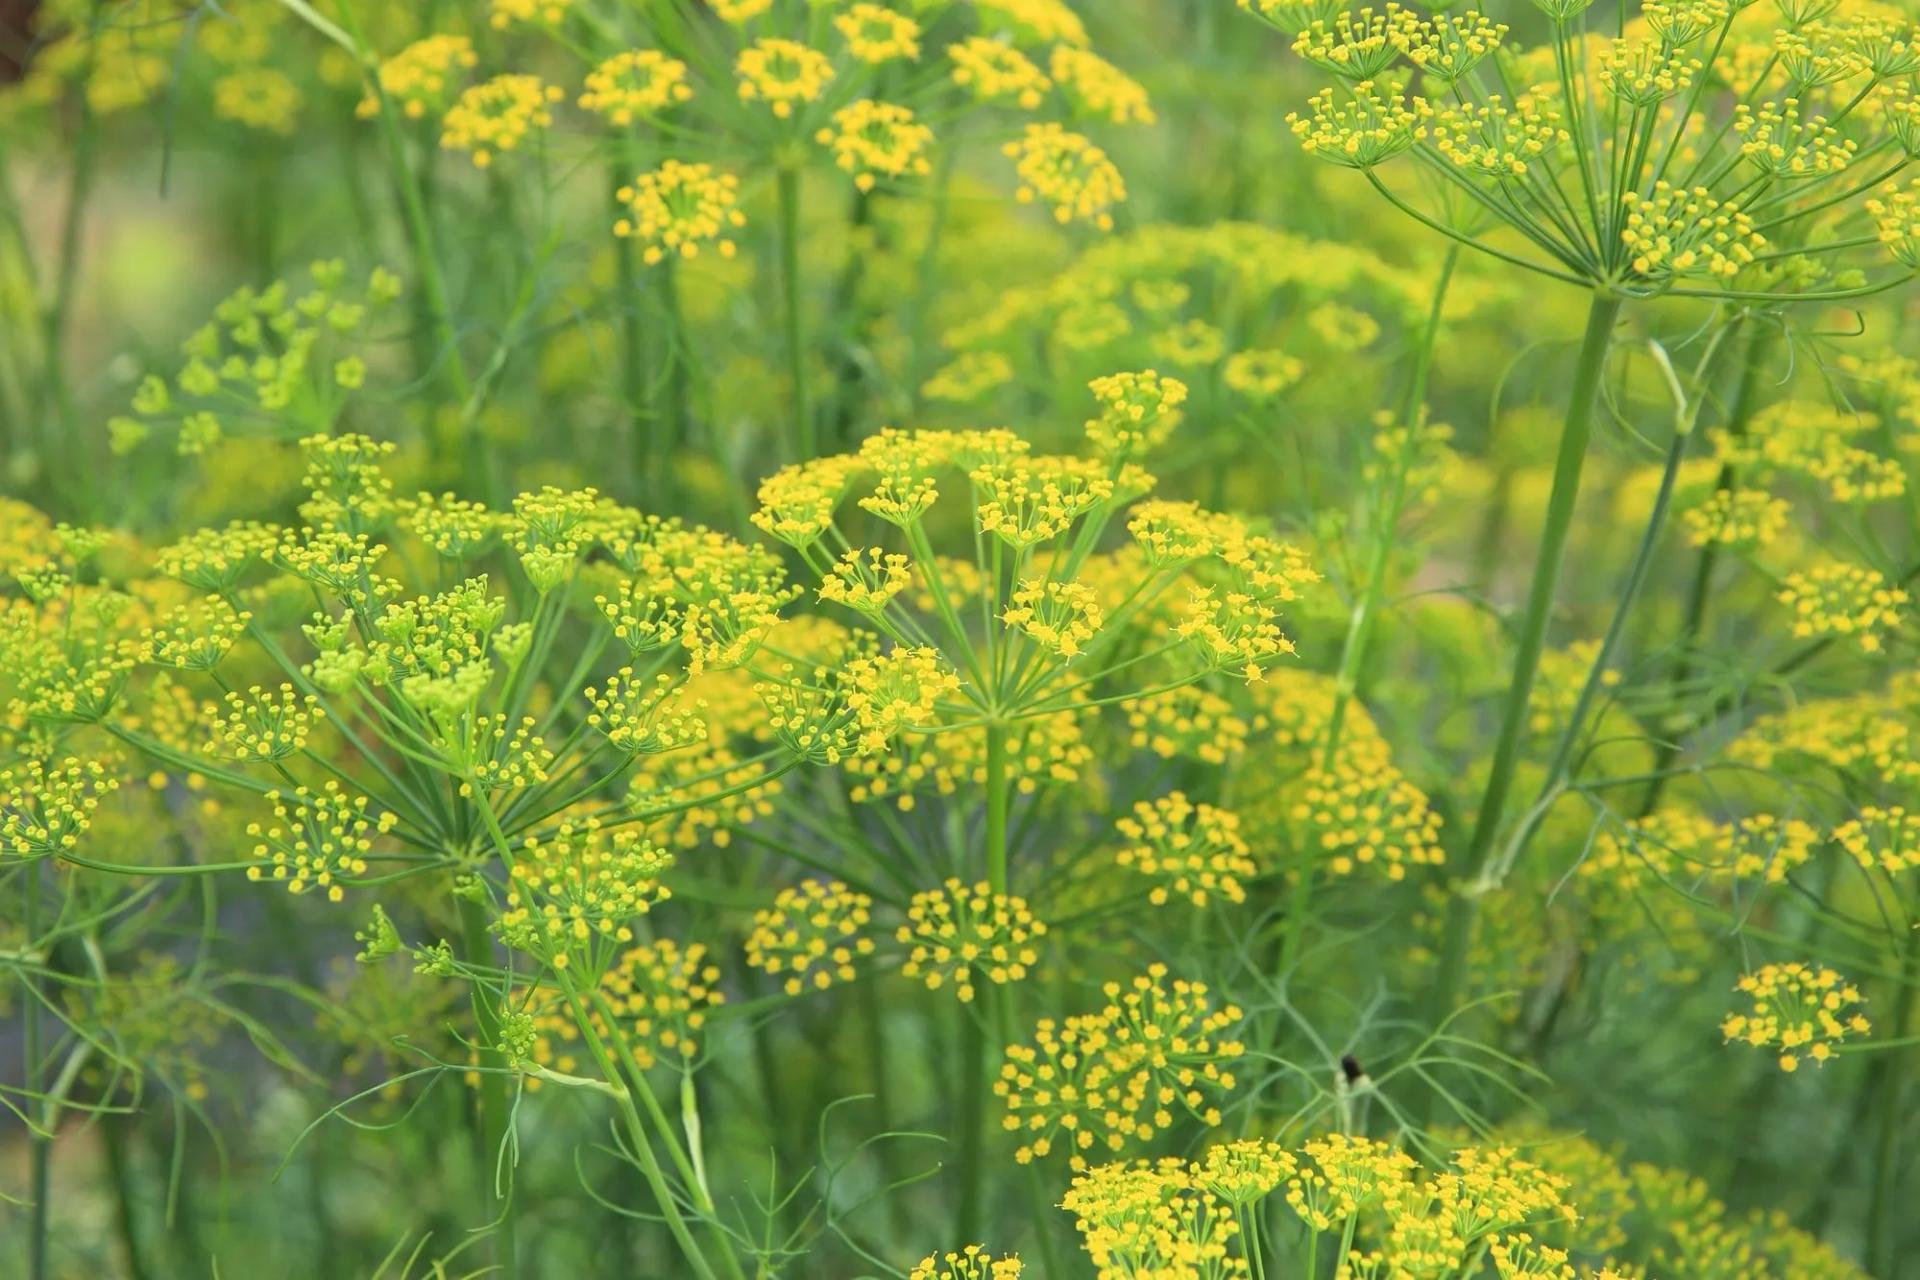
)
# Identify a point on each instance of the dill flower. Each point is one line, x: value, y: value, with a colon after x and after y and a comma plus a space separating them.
x: 1359, y: 131
x: 316, y: 838
x: 1028, y: 501
x: 813, y: 933
x: 1887, y: 838
x: 264, y: 726
x: 1361, y: 813
x: 1357, y: 46
x: 1058, y: 616
x: 1342, y: 1175
x: 1782, y: 143
x: 1803, y: 1009
x: 1245, y: 1171
x: 1190, y: 344
x: 866, y: 581
x: 260, y: 98
x: 452, y: 527
x: 1679, y: 232
x: 1137, y: 412
x: 214, y: 560
x: 1896, y: 221
x: 1645, y: 73
x: 582, y: 883
x: 498, y: 116
x: 196, y: 636
x: 797, y: 502
x: 661, y: 994
x: 968, y: 377
x: 677, y: 208
x: 876, y: 34
x: 1190, y: 850
x: 991, y: 70
x: 1068, y: 173
x: 1156, y: 1219
x: 1099, y: 88
x: 1738, y: 518
x: 642, y: 717
x: 1262, y: 375
x: 1190, y: 722
x: 872, y: 140
x: 960, y: 935
x: 970, y: 1263
x: 636, y: 84
x: 1841, y: 599
x: 45, y: 809
x: 782, y: 74
x: 504, y: 14
x: 894, y: 692
x: 1033, y: 22
x: 420, y: 77
x: 739, y: 12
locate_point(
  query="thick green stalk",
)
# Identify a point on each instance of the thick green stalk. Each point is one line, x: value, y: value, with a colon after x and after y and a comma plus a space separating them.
x: 975, y: 1042
x: 801, y: 443
x: 1575, y: 433
x: 997, y: 787
x: 495, y: 1106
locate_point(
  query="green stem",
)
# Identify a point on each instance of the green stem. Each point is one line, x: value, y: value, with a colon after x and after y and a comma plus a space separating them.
x: 125, y: 1221
x: 1575, y: 433
x: 476, y: 945
x: 801, y: 443
x: 39, y: 1136
x: 972, y: 1127
x: 1745, y: 402
x: 1887, y: 1085
x: 997, y: 787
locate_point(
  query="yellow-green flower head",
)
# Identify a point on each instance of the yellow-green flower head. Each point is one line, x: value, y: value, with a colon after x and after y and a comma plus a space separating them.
x: 1883, y: 838
x: 1191, y: 722
x: 874, y: 140
x: 1358, y: 46
x: 1362, y: 129
x: 1645, y: 73
x: 636, y: 85
x: 1186, y: 850
x: 1108, y: 1080
x: 498, y: 116
x: 1781, y: 143
x: 1262, y: 375
x: 958, y: 935
x: 740, y: 12
x: 1496, y: 141
x: 970, y: 376
x: 866, y: 581
x: 1067, y: 173
x: 1098, y: 88
x: 1061, y: 617
x: 1681, y: 22
x: 316, y: 838
x: 1805, y: 1010
x: 267, y: 725
x: 781, y: 73
x: 1741, y: 519
x: 1896, y: 222
x: 420, y: 78
x: 1191, y: 344
x: 678, y: 208
x: 1341, y: 1176
x: 876, y: 34
x: 1294, y: 16
x: 895, y: 692
x: 970, y: 1263
x: 45, y: 809
x: 505, y: 14
x: 645, y: 717
x: 1842, y: 599
x: 261, y: 98
x: 992, y: 71
x: 1033, y: 22
x: 1448, y: 47
x: 814, y: 933
x: 214, y: 560
x: 1137, y: 412
x: 1680, y: 231
x: 1153, y: 1221
x: 583, y: 884
x: 1245, y: 1171
x: 1362, y: 813
x: 1028, y: 501
x: 453, y: 527
x: 797, y: 502
x: 661, y: 994
x: 196, y: 636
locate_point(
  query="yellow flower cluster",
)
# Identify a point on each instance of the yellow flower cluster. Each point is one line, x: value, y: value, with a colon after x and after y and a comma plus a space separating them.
x: 1896, y: 222
x: 679, y: 207
x: 874, y: 140
x: 1137, y: 412
x: 1884, y: 838
x: 45, y: 809
x: 196, y: 636
x: 894, y: 692
x: 512, y: 13
x: 970, y: 1263
x: 1153, y: 1221
x: 267, y: 725
x: 1191, y: 850
x: 992, y: 70
x: 876, y: 34
x: 1261, y: 375
x: 637, y: 84
x: 782, y: 73
x: 315, y: 838
x: 642, y: 717
x: 1191, y: 722
x: 1362, y: 812
x: 582, y: 884
x: 1067, y: 173
x: 1802, y: 1008
x: 958, y: 934
x: 1359, y: 130
x: 661, y: 994
x: 1678, y: 231
x: 866, y: 581
x: 419, y: 77
x: 813, y: 934
x: 1104, y: 1080
x: 1842, y: 599
x: 1098, y: 87
x: 1738, y: 518
x: 498, y: 116
x: 1061, y: 617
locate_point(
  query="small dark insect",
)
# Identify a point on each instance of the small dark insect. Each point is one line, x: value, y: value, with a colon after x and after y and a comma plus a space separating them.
x: 1351, y: 1068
